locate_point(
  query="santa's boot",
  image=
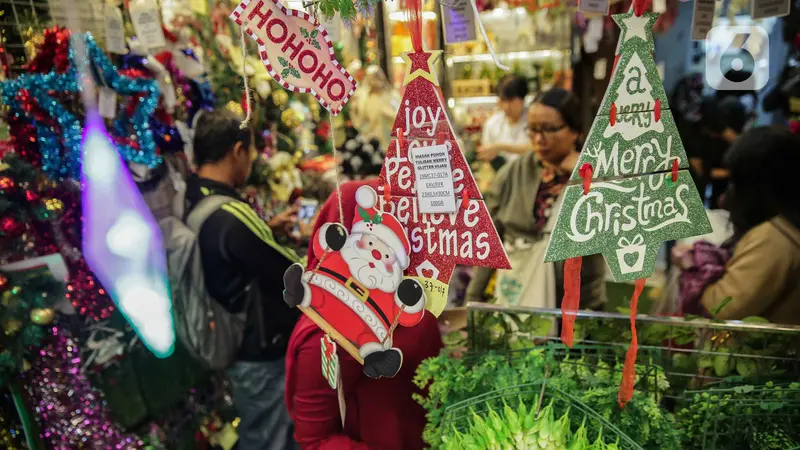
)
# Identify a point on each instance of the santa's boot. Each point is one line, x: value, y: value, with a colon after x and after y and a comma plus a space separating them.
x: 385, y: 363
x: 294, y: 290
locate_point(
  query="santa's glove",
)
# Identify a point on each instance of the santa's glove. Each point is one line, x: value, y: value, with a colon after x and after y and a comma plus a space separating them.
x: 334, y: 236
x: 411, y: 295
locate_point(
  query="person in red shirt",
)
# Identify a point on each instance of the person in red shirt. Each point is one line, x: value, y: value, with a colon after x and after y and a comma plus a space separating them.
x: 379, y: 413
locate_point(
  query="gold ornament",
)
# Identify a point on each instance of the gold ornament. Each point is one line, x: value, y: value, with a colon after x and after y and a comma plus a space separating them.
x: 32, y: 40
x: 26, y: 366
x: 291, y: 119
x: 298, y: 156
x: 43, y: 316
x: 54, y: 205
x: 314, y: 108
x: 234, y: 107
x: 281, y: 98
x: 12, y: 327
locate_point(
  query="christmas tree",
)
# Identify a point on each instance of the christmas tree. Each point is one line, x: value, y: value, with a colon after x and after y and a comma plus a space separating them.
x: 640, y: 191
x: 461, y: 231
x: 636, y: 190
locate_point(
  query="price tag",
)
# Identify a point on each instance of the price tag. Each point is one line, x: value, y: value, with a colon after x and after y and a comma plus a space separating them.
x: 590, y: 7
x: 107, y: 103
x: 115, y: 30
x: 435, y: 192
x: 459, y: 23
x: 702, y: 18
x: 144, y: 15
x: 761, y: 9
x: 659, y: 6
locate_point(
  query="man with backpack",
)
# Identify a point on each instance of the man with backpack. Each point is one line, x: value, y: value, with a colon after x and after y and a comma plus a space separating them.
x: 226, y: 273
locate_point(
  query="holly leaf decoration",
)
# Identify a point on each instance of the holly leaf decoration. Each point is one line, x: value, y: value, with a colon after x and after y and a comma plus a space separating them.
x: 316, y: 45
x: 304, y: 32
x: 377, y: 219
x: 286, y: 73
x: 364, y: 214
x: 283, y: 61
x: 314, y: 33
x: 295, y: 72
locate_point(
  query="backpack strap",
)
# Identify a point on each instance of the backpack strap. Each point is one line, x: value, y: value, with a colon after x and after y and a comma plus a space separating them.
x: 207, y: 206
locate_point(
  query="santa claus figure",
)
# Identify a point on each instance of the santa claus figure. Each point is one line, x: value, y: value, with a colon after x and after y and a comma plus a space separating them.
x: 359, y: 289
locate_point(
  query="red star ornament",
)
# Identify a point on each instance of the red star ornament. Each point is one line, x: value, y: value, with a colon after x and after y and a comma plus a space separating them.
x: 418, y: 64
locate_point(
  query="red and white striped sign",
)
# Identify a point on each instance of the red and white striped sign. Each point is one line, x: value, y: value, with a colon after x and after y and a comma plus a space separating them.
x: 297, y: 51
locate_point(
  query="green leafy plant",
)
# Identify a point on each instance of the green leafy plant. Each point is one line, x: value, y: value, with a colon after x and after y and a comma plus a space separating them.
x: 743, y: 417
x: 595, y: 383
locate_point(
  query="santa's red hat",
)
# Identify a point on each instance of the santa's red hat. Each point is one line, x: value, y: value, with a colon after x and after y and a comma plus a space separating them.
x: 385, y: 227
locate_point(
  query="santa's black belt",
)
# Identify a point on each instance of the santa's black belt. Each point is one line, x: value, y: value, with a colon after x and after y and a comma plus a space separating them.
x: 359, y: 291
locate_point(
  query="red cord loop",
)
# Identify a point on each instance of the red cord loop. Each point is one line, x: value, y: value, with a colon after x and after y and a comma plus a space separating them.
x: 586, y: 173
x: 400, y: 140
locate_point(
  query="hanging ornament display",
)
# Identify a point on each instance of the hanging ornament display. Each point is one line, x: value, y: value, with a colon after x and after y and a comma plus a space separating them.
x: 358, y: 293
x: 297, y: 51
x: 634, y: 168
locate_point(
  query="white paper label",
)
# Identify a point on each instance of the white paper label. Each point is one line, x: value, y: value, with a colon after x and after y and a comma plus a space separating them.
x: 702, y: 18
x: 435, y: 192
x: 115, y: 31
x: 659, y: 6
x: 107, y: 103
x: 600, y: 67
x: 660, y: 68
x: 144, y: 15
x: 459, y: 23
x: 761, y: 9
x: 333, y: 26
x: 594, y: 6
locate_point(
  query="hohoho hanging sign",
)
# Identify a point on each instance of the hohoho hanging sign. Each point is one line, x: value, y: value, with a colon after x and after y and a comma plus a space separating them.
x: 297, y: 51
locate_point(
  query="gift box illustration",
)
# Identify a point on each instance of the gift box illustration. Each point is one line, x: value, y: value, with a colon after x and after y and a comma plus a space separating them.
x: 631, y: 253
x: 330, y: 361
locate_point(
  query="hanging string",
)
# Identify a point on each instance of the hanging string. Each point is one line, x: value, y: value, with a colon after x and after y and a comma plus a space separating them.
x: 336, y: 170
x: 414, y: 12
x: 246, y: 121
x: 629, y: 370
x: 394, y: 324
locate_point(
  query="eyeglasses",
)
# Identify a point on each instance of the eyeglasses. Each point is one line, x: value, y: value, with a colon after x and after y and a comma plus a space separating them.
x: 546, y: 130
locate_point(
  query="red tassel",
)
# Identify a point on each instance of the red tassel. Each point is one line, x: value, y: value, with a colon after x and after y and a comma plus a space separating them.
x: 640, y: 7
x: 572, y: 298
x: 629, y: 371
x: 387, y: 193
x: 616, y: 60
x: 464, y: 199
x: 612, y: 118
x: 586, y: 173
x: 675, y: 170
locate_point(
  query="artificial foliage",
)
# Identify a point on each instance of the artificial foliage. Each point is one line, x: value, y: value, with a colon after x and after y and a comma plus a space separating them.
x: 594, y: 382
x: 26, y: 301
x: 744, y: 417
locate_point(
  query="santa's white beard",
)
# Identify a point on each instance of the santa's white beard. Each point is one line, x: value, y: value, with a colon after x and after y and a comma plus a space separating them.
x: 370, y: 277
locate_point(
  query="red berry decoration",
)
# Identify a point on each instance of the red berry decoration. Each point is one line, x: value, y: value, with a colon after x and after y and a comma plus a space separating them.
x: 6, y: 183
x: 10, y: 226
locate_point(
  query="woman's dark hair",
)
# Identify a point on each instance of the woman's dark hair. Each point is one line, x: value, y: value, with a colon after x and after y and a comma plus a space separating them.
x: 511, y: 87
x: 566, y: 103
x: 216, y: 133
x: 763, y: 182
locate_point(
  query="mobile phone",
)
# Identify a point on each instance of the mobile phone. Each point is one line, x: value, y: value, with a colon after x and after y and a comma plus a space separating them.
x: 306, y: 211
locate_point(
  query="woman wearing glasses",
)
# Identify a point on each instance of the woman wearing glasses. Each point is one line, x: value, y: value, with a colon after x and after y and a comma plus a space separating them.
x: 524, y: 201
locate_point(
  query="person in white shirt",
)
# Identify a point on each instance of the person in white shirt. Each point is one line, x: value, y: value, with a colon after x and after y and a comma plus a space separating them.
x: 504, y: 133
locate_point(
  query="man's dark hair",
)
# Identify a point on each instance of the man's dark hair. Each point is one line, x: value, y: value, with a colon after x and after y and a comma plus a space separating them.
x: 216, y: 133
x: 511, y: 87
x: 762, y: 163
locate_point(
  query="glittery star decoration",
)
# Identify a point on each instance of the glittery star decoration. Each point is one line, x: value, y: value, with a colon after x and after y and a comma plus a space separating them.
x: 418, y: 64
x: 34, y: 95
x: 634, y: 26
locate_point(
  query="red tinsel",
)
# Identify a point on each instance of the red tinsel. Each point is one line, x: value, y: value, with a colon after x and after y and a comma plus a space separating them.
x: 572, y: 298
x: 53, y: 54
